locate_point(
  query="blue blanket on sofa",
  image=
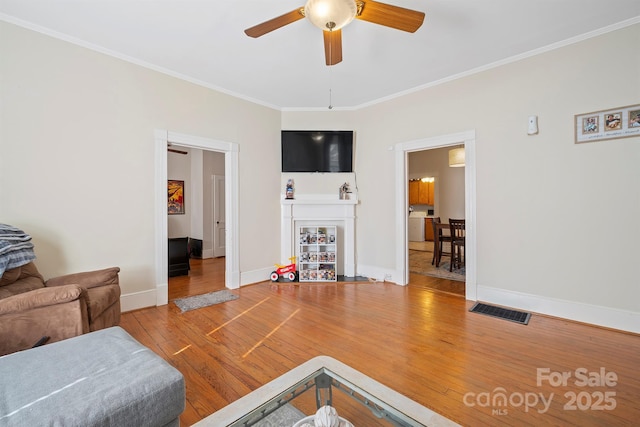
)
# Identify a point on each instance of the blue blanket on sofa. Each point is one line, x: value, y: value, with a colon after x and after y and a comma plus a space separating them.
x: 16, y: 248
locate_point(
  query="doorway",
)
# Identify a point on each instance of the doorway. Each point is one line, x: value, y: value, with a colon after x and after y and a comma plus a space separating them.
x: 231, y: 259
x: 202, y: 223
x: 402, y: 151
x: 435, y: 193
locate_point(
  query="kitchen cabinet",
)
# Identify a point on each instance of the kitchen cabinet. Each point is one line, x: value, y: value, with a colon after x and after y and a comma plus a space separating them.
x: 317, y: 254
x: 420, y: 193
x: 425, y: 194
x: 414, y: 190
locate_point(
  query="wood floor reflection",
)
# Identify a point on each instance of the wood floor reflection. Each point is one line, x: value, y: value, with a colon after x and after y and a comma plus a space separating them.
x: 205, y: 275
x: 423, y: 343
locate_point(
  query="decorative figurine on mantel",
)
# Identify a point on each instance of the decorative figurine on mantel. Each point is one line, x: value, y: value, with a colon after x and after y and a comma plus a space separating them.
x: 289, y: 189
x: 344, y: 191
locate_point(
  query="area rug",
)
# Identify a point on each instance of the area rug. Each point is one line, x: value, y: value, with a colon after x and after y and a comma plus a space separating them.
x: 420, y: 263
x: 284, y: 416
x: 204, y: 300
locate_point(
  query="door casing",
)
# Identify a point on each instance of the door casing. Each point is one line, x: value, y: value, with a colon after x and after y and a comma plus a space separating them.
x: 232, y: 254
x: 468, y: 138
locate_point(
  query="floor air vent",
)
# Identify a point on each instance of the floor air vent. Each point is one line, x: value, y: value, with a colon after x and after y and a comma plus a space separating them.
x: 502, y: 313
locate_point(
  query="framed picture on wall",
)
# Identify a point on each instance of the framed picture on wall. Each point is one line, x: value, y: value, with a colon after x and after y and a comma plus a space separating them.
x: 175, y: 201
x: 621, y: 122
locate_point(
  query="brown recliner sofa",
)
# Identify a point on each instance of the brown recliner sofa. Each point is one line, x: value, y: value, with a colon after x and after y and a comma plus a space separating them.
x: 59, y: 308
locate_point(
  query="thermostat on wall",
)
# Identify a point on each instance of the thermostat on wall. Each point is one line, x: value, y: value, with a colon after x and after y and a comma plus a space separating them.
x: 533, y: 125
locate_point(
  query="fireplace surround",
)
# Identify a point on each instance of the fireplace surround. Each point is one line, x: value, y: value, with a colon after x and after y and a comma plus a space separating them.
x: 321, y: 209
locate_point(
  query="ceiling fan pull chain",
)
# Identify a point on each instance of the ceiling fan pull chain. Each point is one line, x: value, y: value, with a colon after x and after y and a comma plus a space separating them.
x: 330, y: 72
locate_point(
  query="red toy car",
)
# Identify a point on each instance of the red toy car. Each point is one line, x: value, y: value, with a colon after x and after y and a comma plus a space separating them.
x: 286, y: 271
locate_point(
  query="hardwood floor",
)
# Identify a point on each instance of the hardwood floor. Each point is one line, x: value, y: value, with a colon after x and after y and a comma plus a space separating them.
x: 205, y: 275
x: 421, y: 342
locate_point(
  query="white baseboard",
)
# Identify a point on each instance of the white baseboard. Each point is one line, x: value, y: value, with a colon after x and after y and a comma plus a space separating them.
x: 207, y: 253
x: 378, y: 274
x: 255, y: 276
x: 608, y: 317
x: 623, y: 320
x: 144, y: 299
x: 137, y: 300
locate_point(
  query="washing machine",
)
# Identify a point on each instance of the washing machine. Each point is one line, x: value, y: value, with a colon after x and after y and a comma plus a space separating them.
x: 416, y: 226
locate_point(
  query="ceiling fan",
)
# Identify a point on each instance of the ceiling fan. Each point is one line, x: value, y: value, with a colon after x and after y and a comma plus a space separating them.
x: 332, y: 15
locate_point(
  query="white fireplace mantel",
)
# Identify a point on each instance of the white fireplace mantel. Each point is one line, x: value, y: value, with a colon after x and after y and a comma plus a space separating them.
x: 320, y: 210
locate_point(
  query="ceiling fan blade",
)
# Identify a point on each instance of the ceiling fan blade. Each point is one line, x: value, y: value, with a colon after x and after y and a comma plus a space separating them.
x: 275, y: 23
x: 332, y: 46
x: 391, y: 16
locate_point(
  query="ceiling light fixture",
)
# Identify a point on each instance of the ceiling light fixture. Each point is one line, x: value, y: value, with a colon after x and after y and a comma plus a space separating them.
x: 330, y: 14
x: 456, y: 158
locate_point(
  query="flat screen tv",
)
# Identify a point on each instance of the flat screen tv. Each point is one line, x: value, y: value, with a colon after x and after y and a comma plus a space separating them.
x: 317, y: 151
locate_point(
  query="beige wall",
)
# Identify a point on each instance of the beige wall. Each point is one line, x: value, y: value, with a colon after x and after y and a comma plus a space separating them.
x: 541, y: 200
x: 546, y: 207
x: 77, y: 156
x: 76, y: 165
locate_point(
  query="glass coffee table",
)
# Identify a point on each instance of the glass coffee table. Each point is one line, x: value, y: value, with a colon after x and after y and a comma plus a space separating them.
x: 294, y: 397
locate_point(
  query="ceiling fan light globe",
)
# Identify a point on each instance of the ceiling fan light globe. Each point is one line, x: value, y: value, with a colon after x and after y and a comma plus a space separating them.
x: 330, y: 14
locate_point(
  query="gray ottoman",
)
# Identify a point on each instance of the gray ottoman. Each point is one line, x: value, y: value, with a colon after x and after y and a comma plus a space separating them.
x: 104, y: 378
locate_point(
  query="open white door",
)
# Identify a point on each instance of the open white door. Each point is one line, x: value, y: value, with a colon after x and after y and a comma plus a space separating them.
x: 219, y: 225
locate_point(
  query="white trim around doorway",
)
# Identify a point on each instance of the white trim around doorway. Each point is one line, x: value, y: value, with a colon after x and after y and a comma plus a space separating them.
x: 232, y: 255
x: 468, y: 138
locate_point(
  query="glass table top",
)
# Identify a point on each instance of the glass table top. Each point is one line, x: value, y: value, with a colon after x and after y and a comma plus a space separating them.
x: 292, y: 400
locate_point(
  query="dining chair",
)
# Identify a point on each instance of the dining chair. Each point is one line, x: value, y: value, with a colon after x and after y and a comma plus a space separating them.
x: 438, y: 242
x: 457, y: 232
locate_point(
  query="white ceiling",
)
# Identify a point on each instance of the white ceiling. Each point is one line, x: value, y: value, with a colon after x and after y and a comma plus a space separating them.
x: 203, y: 41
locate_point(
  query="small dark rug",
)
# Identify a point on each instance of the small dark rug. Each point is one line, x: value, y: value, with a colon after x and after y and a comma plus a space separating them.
x: 520, y: 317
x: 204, y: 300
